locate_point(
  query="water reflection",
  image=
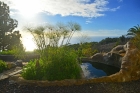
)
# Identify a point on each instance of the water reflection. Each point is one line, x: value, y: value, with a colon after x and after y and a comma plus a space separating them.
x: 96, y: 70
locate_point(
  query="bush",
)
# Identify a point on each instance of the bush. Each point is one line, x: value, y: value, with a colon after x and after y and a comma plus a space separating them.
x: 63, y: 66
x: 3, y: 66
x: 60, y: 64
x: 32, y: 72
x: 8, y: 52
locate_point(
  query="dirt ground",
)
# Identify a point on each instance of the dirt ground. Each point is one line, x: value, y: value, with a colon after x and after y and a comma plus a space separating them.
x: 127, y: 87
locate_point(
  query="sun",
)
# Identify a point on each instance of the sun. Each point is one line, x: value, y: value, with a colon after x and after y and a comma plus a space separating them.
x: 28, y: 8
x: 28, y: 43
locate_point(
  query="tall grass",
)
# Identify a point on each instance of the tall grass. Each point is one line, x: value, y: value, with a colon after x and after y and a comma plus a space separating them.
x: 61, y: 64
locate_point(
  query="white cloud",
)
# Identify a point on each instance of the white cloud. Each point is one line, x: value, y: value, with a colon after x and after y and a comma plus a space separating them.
x: 88, y: 20
x: 84, y: 8
x: 112, y: 32
x: 114, y: 9
x: 120, y: 0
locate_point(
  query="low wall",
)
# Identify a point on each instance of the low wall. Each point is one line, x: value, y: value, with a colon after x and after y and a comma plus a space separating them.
x: 12, y: 58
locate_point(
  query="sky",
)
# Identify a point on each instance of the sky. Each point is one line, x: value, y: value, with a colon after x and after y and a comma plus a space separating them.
x: 98, y: 18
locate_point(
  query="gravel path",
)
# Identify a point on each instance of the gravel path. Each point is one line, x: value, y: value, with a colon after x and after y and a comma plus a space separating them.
x: 128, y: 87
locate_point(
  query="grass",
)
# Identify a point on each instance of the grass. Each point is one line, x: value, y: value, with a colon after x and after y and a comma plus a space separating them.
x: 3, y: 66
x: 58, y: 64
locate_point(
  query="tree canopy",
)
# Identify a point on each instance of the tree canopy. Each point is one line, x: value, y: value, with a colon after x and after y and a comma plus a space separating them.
x: 8, y: 37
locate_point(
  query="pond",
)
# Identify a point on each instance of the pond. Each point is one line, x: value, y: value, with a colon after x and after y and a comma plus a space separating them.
x: 95, y: 70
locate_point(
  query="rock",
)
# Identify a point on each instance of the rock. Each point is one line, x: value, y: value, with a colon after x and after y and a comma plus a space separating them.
x: 98, y: 57
x: 10, y: 72
x: 112, y: 59
x: 19, y: 63
x: 118, y: 48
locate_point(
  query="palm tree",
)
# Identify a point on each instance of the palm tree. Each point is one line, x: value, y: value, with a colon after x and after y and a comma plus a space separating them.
x: 134, y: 30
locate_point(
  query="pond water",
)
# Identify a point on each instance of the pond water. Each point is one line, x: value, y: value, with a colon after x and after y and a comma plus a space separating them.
x: 95, y: 70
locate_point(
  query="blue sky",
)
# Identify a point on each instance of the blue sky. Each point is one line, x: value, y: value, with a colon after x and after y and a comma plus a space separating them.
x: 98, y: 18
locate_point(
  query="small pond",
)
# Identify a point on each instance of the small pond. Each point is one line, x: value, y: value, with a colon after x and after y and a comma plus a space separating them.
x: 95, y: 70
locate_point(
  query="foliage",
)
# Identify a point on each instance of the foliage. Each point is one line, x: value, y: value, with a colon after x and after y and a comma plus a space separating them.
x: 136, y: 40
x: 89, y: 52
x: 13, y: 39
x: 19, y: 52
x: 29, y: 72
x: 3, y: 66
x: 7, y: 52
x: 53, y: 35
x: 56, y: 61
x: 108, y: 40
x: 8, y: 38
x: 134, y: 30
x: 87, y: 49
x: 122, y: 38
x: 61, y: 64
x: 117, y: 43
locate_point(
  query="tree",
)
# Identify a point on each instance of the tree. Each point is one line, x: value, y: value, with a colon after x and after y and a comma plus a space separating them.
x: 7, y: 25
x: 122, y: 38
x: 134, y: 30
x: 14, y: 39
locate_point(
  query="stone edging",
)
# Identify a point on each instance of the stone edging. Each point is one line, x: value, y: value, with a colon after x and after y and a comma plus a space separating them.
x: 67, y: 82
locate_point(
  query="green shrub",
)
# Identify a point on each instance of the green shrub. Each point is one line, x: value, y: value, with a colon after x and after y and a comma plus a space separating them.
x: 3, y: 66
x: 60, y: 64
x: 32, y: 72
x: 8, y: 52
x: 63, y: 65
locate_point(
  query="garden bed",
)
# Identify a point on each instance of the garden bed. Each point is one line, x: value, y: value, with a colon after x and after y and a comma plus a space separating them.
x: 17, y: 84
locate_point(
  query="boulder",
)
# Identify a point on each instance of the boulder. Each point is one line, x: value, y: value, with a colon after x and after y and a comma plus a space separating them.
x: 19, y: 63
x: 110, y: 58
x: 113, y: 58
x: 118, y: 49
x: 98, y: 57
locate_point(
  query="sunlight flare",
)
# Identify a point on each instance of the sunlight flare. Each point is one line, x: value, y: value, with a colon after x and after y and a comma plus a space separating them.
x: 28, y: 43
x: 28, y: 8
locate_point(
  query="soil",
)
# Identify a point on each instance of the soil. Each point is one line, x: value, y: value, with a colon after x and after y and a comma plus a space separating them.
x: 127, y: 87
